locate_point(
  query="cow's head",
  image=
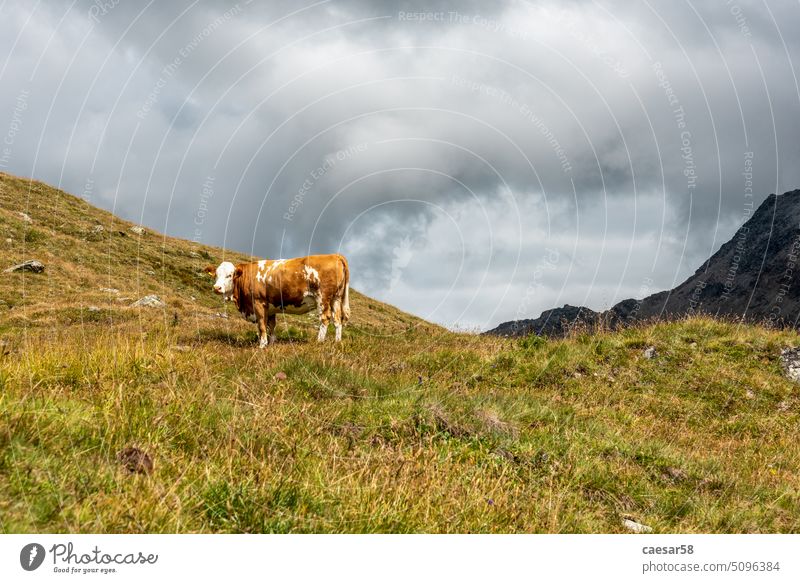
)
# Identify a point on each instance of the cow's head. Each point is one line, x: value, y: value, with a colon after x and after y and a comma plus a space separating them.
x: 223, y: 275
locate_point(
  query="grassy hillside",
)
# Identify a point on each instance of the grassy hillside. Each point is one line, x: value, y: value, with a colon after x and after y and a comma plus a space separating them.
x: 404, y: 427
x: 94, y: 260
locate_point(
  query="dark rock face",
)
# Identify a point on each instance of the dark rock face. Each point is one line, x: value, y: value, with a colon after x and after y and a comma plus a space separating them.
x: 753, y: 277
x: 555, y: 322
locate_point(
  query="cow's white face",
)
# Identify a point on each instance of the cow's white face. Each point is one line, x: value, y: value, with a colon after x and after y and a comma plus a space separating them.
x: 224, y: 283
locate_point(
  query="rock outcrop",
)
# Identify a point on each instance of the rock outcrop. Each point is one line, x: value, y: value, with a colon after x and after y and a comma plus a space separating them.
x: 31, y: 265
x: 754, y: 277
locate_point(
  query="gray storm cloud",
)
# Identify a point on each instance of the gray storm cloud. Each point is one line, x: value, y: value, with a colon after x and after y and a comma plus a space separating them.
x: 476, y: 164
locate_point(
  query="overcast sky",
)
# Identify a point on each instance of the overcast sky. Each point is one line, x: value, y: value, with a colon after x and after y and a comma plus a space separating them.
x: 475, y: 164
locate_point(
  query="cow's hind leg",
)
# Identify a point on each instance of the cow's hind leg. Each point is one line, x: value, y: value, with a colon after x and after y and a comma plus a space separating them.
x: 271, y: 321
x: 324, y: 320
x: 337, y: 319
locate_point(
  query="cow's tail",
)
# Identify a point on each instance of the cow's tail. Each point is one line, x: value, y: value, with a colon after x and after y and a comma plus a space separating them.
x: 346, y: 295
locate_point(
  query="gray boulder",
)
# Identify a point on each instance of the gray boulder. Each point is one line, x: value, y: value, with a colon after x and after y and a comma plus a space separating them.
x: 151, y: 301
x: 31, y: 265
x: 636, y: 527
x: 790, y: 361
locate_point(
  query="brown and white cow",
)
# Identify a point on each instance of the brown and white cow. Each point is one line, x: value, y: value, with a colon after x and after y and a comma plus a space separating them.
x: 265, y: 288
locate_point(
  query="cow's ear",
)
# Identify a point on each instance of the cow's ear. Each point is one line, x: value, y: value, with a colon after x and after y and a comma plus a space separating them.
x: 210, y: 270
x: 238, y: 273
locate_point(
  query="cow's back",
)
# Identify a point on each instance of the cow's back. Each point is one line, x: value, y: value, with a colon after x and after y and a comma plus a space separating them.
x: 291, y: 285
x: 295, y: 286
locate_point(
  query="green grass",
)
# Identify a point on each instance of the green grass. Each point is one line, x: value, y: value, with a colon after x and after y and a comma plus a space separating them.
x: 403, y: 427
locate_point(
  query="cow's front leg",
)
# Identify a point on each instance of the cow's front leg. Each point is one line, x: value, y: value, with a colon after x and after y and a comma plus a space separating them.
x: 271, y: 321
x: 337, y: 319
x: 323, y: 332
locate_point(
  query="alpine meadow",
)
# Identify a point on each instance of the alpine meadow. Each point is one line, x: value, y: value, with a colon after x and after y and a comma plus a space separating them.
x: 166, y: 417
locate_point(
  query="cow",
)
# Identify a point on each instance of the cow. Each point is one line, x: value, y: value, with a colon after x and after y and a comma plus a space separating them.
x: 262, y: 289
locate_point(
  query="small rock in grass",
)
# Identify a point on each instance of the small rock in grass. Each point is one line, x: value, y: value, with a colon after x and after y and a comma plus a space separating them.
x: 135, y: 461
x: 783, y: 406
x: 98, y: 229
x: 749, y: 394
x: 94, y: 309
x: 397, y: 367
x: 710, y: 484
x: 675, y: 474
x: 508, y: 455
x: 109, y: 290
x: 790, y: 361
x: 25, y: 217
x: 137, y: 229
x: 636, y: 527
x: 31, y: 265
x: 493, y: 423
x: 280, y: 376
x: 650, y: 352
x: 151, y: 301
